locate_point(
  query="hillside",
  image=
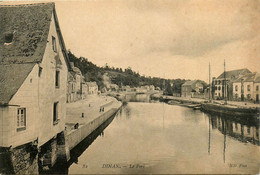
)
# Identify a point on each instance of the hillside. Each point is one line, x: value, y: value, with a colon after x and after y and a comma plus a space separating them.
x: 118, y: 76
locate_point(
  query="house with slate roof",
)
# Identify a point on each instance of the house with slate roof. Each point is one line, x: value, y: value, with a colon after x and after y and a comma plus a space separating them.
x: 191, y: 87
x: 77, y: 81
x: 33, y: 74
x: 247, y: 87
x: 218, y: 84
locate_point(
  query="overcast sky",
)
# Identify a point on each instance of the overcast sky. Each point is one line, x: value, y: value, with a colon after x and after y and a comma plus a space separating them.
x: 171, y: 39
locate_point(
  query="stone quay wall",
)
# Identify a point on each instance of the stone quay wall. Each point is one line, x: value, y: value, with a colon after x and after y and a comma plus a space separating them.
x: 75, y: 136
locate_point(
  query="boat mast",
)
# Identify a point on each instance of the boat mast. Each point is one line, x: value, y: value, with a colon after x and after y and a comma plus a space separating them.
x: 163, y: 103
x: 209, y: 83
x: 209, y: 135
x: 225, y: 88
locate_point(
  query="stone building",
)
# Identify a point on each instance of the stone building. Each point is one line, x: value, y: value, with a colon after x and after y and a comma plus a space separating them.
x: 247, y: 87
x: 83, y: 90
x: 75, y: 91
x: 152, y: 88
x: 114, y: 87
x: 92, y: 87
x: 33, y: 78
x: 218, y: 84
x: 79, y: 79
x: 71, y: 87
x: 190, y: 87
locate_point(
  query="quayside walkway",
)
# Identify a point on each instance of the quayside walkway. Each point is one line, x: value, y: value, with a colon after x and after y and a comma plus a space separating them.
x: 84, y: 116
x: 85, y: 111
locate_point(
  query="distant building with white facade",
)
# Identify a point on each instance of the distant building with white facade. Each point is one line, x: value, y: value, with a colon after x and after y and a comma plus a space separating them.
x: 92, y: 87
x: 219, y: 89
x: 247, y: 87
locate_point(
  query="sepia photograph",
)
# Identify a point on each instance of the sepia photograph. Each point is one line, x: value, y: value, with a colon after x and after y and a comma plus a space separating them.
x: 129, y: 87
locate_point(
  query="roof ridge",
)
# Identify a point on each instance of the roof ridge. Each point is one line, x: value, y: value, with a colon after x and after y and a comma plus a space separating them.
x: 24, y: 5
x: 236, y: 70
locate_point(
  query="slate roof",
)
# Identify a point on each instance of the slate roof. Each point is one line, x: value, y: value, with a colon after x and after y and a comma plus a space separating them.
x: 29, y: 25
x: 76, y: 70
x: 189, y: 83
x: 234, y: 73
x: 257, y: 78
x: 250, y: 77
x: 12, y: 77
x: 192, y: 83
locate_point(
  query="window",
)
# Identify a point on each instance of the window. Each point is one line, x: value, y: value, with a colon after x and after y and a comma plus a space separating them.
x: 9, y: 37
x: 54, y: 47
x: 21, y: 119
x: 257, y: 88
x: 57, y: 79
x: 248, y: 130
x: 236, y: 87
x: 40, y: 72
x: 248, y: 96
x: 55, y: 112
x: 219, y: 88
x: 248, y: 87
x: 236, y: 96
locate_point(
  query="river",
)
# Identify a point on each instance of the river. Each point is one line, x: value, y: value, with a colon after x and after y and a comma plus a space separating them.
x: 158, y: 138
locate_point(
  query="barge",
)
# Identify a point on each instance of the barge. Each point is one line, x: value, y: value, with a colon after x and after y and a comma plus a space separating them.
x: 231, y: 110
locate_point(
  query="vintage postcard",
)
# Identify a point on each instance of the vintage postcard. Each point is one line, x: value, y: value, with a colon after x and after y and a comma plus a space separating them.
x: 129, y: 87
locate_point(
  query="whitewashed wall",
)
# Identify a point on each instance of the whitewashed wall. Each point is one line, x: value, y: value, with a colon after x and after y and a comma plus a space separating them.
x: 49, y: 93
x: 26, y: 97
x: 37, y: 95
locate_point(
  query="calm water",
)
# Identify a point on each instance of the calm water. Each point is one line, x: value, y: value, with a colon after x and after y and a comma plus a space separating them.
x: 160, y: 138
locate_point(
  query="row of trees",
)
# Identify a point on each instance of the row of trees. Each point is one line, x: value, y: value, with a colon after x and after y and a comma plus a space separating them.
x: 118, y: 76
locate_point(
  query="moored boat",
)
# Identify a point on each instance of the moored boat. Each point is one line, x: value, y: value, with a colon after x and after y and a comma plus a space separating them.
x: 231, y: 110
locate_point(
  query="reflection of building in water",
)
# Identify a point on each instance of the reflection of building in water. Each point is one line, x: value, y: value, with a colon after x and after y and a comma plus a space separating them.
x: 127, y: 112
x: 243, y: 131
x: 137, y: 98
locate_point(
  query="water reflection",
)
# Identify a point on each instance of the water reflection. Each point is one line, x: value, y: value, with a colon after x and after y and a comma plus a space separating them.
x: 209, y: 136
x: 127, y: 112
x: 243, y: 131
x: 240, y: 130
x: 76, y: 152
x: 171, y: 139
x: 137, y: 98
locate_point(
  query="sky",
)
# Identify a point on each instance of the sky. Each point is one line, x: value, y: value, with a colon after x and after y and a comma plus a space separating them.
x: 164, y: 38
